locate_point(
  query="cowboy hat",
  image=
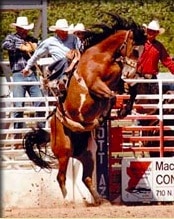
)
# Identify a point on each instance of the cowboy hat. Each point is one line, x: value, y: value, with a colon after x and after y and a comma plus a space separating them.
x: 79, y: 27
x: 61, y: 24
x: 154, y: 25
x: 22, y: 22
x: 71, y: 29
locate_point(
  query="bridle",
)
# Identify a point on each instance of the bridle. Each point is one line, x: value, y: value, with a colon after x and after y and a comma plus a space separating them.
x: 124, y: 44
x: 125, y: 61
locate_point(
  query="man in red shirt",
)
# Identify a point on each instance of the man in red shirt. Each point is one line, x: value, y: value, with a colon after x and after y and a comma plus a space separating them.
x: 154, y: 51
x: 147, y: 66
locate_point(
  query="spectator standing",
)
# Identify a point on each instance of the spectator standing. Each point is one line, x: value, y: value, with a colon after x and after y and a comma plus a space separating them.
x: 20, y: 45
x: 81, y: 33
x: 153, y: 53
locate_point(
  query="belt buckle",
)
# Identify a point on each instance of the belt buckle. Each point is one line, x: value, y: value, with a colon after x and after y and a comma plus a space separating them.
x: 148, y: 76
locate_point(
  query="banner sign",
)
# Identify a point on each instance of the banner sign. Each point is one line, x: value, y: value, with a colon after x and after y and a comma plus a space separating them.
x: 148, y: 179
x: 102, y: 160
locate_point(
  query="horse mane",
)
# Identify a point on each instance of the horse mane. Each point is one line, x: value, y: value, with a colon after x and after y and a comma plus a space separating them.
x: 94, y: 36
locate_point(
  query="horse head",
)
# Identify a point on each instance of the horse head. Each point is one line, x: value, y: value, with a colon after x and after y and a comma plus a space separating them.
x: 132, y: 48
x: 109, y: 57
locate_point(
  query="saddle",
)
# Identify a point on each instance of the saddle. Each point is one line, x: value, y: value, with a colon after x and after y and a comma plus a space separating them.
x: 61, y: 71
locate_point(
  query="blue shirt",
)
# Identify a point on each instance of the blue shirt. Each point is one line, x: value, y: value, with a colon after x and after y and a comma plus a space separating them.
x: 55, y: 47
x: 17, y: 58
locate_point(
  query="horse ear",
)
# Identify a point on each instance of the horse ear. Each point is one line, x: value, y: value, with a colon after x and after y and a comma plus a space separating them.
x: 140, y: 36
x: 131, y: 35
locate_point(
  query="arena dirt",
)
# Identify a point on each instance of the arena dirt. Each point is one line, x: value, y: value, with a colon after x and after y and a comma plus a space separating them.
x: 71, y: 210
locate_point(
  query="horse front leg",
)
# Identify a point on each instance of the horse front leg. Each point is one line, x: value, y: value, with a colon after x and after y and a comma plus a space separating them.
x: 126, y: 110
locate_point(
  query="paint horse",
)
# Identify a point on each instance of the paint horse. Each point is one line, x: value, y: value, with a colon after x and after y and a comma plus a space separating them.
x: 90, y: 96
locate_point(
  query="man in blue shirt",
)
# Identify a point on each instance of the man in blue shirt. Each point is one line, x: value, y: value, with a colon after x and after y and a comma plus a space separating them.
x: 59, y: 47
x: 20, y: 46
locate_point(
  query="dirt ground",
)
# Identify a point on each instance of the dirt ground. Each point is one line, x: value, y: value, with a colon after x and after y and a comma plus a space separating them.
x: 71, y: 210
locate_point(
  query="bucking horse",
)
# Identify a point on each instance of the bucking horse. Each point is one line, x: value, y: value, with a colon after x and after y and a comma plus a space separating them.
x: 91, y: 93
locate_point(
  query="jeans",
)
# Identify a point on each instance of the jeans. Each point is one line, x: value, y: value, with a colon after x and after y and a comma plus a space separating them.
x: 168, y: 86
x: 21, y: 90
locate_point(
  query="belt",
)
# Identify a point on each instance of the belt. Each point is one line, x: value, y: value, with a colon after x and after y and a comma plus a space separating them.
x: 15, y: 71
x: 147, y: 76
x: 18, y: 71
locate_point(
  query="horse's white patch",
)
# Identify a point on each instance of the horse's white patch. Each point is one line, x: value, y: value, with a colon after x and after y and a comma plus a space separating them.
x: 82, y: 100
x: 80, y: 80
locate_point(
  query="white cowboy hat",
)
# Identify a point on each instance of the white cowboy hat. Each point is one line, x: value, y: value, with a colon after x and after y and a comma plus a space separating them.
x: 61, y: 24
x: 22, y: 22
x: 71, y: 29
x: 79, y: 27
x: 154, y: 25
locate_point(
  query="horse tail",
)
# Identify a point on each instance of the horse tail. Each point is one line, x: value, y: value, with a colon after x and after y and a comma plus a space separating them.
x: 32, y: 143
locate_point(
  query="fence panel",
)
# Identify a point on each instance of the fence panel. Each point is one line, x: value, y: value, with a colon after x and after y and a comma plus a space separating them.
x: 127, y: 142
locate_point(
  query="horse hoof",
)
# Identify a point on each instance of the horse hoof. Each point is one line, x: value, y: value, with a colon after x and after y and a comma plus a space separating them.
x: 102, y: 201
x: 124, y: 112
x: 98, y: 203
x: 105, y: 202
x: 121, y: 114
x: 64, y: 192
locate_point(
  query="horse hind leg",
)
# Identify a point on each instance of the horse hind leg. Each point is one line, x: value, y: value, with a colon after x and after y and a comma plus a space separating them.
x: 61, y: 176
x: 61, y: 149
x: 88, y: 167
x: 97, y: 199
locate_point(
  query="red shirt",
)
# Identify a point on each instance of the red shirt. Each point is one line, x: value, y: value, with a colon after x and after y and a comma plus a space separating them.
x: 153, y: 53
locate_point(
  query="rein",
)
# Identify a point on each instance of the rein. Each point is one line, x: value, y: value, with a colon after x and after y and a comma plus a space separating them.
x: 124, y: 44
